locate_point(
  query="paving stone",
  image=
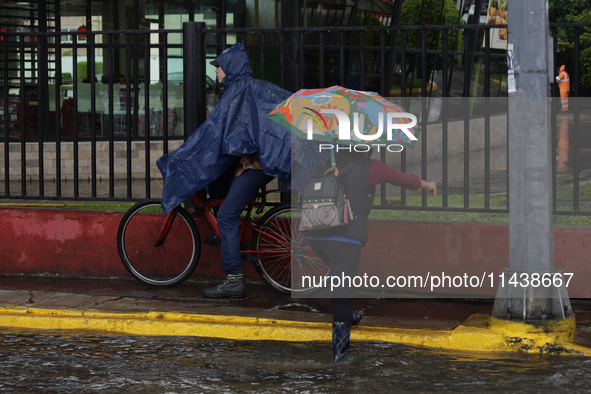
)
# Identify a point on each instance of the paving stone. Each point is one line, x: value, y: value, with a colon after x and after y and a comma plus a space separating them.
x: 13, y: 297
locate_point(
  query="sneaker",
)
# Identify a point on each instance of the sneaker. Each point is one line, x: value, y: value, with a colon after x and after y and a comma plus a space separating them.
x: 232, y: 286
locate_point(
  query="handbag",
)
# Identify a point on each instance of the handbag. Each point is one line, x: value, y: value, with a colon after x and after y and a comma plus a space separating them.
x: 324, y: 203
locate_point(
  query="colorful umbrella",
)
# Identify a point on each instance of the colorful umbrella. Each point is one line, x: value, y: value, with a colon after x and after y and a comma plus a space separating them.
x: 346, y: 116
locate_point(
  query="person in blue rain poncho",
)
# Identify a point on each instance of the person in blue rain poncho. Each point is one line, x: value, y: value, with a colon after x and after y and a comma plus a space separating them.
x: 237, y: 137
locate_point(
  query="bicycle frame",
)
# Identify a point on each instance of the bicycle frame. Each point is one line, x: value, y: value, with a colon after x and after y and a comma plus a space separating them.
x: 205, y: 207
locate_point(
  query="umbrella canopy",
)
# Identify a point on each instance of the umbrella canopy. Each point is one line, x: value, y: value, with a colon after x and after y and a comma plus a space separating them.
x: 346, y: 116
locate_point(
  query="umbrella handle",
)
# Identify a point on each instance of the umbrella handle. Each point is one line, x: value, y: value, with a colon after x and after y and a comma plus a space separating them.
x: 333, y: 162
x: 332, y: 169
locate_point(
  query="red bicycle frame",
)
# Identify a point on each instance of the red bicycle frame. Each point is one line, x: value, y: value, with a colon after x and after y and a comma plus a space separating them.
x: 205, y: 207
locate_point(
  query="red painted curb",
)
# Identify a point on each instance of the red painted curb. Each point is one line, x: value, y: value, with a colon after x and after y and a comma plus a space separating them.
x: 83, y: 244
x: 77, y: 244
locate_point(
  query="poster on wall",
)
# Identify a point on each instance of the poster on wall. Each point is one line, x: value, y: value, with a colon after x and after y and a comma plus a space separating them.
x: 497, y: 15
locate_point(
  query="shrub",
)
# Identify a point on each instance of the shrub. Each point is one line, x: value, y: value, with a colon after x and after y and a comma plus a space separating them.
x: 83, y: 69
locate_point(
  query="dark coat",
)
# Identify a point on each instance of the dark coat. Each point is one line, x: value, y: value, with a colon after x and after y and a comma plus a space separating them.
x: 237, y: 127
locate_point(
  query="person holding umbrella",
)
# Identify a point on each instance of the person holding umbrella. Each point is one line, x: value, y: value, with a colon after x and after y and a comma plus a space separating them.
x: 341, y: 247
x: 317, y: 116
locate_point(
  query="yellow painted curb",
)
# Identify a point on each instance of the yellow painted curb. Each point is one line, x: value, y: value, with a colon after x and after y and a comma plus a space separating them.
x: 558, y: 330
x: 473, y: 335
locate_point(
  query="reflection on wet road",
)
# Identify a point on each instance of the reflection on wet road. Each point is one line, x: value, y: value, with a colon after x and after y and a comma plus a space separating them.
x: 563, y: 143
x: 571, y: 140
x: 93, y: 363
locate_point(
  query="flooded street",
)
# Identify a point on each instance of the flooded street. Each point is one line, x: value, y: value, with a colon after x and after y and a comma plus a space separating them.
x: 76, y: 362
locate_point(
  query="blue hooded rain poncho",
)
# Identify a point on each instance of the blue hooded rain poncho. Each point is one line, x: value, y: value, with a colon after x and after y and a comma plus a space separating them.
x: 237, y: 127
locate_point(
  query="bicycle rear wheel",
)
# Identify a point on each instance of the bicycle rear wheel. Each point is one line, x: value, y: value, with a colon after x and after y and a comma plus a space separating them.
x: 286, y: 255
x: 164, y: 265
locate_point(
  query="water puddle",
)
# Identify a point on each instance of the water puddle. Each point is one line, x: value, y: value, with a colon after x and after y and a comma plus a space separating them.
x: 35, y: 362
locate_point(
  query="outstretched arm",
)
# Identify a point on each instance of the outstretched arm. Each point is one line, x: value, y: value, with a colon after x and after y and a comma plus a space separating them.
x: 381, y: 172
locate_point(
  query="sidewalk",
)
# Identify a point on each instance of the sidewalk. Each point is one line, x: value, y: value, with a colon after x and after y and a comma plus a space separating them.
x: 128, y: 307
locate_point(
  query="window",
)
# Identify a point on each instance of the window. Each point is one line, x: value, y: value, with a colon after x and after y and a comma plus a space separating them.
x: 68, y: 39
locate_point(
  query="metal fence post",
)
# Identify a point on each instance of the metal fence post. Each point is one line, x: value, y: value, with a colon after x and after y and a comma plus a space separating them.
x: 194, y: 92
x: 42, y: 91
x: 290, y: 12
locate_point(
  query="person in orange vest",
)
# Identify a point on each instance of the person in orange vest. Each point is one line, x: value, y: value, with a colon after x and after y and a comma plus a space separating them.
x: 564, y: 84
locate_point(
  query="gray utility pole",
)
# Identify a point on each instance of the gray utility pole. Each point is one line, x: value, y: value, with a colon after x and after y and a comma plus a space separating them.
x: 530, y: 172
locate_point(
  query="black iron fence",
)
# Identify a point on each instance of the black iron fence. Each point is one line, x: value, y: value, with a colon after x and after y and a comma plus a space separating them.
x: 67, y: 137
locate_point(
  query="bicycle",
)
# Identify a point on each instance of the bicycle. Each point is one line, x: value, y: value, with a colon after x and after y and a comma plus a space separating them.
x: 163, y: 250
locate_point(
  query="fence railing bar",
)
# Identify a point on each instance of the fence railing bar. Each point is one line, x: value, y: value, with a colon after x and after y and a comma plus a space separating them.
x: 376, y: 49
x: 5, y: 93
x: 136, y: 84
x: 321, y: 59
x: 576, y: 135
x: 111, y: 121
x: 282, y: 59
x: 444, y: 129
x: 385, y: 92
x: 75, y: 128
x: 554, y: 146
x: 165, y: 94
x: 353, y: 28
x: 42, y: 115
x: 466, y: 110
x: 341, y: 59
x: 57, y: 123
x: 262, y: 55
x: 89, y: 33
x: 301, y: 62
x: 93, y: 110
x: 553, y: 130
x: 23, y: 117
x: 128, y: 111
x: 362, y: 60
x: 405, y: 104
x: 441, y: 209
x: 147, y: 117
x: 424, y: 114
x: 487, y: 119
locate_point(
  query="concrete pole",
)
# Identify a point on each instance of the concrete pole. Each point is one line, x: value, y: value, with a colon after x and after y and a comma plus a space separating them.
x: 530, y: 172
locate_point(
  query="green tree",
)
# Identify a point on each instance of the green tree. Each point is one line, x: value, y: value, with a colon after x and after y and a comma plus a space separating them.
x: 585, y: 43
x: 410, y: 15
x: 578, y: 11
x: 428, y: 13
x: 372, y: 37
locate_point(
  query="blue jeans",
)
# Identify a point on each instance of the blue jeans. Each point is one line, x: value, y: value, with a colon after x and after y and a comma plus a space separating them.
x: 244, y: 188
x: 343, y: 258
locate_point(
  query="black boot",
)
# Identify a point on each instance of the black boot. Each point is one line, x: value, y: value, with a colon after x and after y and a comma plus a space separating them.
x: 232, y: 286
x: 356, y: 318
x: 341, y: 333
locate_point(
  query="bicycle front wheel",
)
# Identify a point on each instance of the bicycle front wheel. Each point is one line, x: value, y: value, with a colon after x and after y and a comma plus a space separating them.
x: 286, y: 257
x: 163, y: 264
